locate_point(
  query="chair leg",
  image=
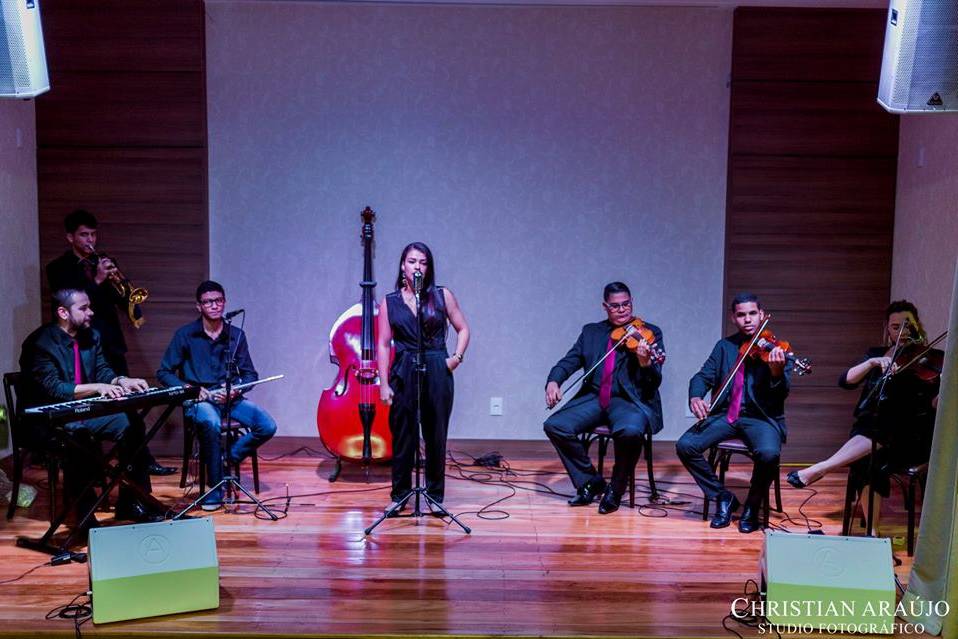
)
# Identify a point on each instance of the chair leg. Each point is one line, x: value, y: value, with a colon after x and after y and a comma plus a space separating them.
x: 778, y: 492
x: 847, y: 514
x: 254, y: 459
x: 911, y: 516
x: 632, y: 488
x: 654, y: 493
x: 17, y: 478
x: 187, y: 453
x: 765, y: 511
x: 53, y: 473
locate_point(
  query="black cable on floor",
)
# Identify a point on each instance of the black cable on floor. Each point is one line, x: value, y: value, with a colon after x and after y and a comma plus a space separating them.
x: 37, y: 567
x: 743, y: 614
x: 78, y: 612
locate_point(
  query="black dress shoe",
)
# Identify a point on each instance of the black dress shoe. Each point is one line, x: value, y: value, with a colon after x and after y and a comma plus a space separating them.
x: 610, y: 501
x: 794, y: 480
x: 724, y: 507
x: 588, y: 493
x: 156, y: 469
x: 136, y: 512
x: 749, y: 521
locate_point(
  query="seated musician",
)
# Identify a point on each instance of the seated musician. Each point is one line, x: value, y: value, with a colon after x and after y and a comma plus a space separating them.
x: 752, y: 408
x: 64, y: 361
x: 622, y: 393
x: 198, y: 355
x: 902, y: 422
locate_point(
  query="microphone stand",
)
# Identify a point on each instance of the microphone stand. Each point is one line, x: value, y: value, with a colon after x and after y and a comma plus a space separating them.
x: 230, y: 480
x: 418, y: 490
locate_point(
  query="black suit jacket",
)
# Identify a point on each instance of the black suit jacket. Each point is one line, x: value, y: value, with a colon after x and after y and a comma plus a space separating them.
x: 764, y: 394
x: 46, y: 365
x: 68, y: 272
x: 641, y: 385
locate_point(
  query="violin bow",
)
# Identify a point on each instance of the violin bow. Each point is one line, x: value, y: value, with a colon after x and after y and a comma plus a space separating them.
x: 628, y: 333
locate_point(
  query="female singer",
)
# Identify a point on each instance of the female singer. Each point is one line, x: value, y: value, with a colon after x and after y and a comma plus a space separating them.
x: 902, y: 422
x: 399, y: 323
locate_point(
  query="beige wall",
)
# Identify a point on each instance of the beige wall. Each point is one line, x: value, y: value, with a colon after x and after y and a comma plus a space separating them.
x: 540, y: 151
x: 926, y: 216
x: 19, y: 246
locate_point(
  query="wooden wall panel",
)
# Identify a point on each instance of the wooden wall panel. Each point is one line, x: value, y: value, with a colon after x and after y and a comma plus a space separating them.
x: 816, y: 45
x: 122, y: 133
x: 811, y: 196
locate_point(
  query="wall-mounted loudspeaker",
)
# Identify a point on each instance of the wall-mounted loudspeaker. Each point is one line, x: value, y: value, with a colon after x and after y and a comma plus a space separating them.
x: 23, y: 62
x: 919, y: 71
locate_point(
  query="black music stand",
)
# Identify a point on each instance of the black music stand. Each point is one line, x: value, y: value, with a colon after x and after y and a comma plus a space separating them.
x: 230, y: 480
x: 418, y: 490
x: 114, y: 473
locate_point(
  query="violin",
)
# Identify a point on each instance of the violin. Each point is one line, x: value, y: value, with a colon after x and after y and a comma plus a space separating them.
x: 921, y: 362
x: 638, y: 328
x: 767, y: 342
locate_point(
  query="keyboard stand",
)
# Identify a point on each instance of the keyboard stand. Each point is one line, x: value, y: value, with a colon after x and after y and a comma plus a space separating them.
x: 115, y: 474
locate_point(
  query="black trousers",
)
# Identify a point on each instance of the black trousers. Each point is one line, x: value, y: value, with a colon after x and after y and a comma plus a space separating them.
x: 79, y: 469
x: 626, y: 421
x: 437, y: 395
x: 762, y: 439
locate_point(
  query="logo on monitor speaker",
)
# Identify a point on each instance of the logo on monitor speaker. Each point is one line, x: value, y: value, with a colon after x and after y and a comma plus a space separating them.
x: 828, y: 562
x: 154, y: 549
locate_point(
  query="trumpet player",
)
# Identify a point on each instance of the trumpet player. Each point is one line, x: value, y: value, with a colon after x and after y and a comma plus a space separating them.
x: 81, y: 268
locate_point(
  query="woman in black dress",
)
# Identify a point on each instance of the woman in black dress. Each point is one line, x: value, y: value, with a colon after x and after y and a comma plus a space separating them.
x: 902, y: 422
x: 398, y: 323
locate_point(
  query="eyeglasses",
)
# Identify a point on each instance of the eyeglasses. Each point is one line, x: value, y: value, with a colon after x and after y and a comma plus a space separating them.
x: 617, y: 306
x: 216, y: 301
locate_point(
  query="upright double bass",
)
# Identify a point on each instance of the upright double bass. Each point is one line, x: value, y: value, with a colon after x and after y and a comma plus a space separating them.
x: 350, y: 426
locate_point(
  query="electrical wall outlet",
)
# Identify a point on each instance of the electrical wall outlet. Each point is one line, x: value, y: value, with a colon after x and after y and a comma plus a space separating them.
x: 495, y: 406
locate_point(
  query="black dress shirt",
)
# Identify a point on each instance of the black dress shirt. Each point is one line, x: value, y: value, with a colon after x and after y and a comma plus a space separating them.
x: 194, y: 358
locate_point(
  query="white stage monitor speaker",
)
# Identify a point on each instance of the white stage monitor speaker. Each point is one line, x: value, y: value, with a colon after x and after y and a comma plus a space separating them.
x: 23, y: 60
x: 145, y: 570
x: 828, y: 583
x: 919, y: 70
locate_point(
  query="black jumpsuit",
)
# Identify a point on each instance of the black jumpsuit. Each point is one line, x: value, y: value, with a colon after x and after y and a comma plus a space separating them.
x: 436, y: 396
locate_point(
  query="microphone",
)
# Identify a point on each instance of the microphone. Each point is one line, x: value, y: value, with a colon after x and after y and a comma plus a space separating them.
x: 417, y: 282
x: 233, y: 314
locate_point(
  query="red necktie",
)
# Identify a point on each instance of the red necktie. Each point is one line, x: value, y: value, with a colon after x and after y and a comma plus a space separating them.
x: 77, y: 366
x: 605, y: 388
x: 735, y: 402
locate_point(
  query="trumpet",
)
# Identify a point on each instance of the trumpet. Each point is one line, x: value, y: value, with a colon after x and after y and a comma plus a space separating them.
x: 134, y: 295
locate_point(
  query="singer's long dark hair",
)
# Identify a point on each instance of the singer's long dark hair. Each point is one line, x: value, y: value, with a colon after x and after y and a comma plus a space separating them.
x: 431, y: 320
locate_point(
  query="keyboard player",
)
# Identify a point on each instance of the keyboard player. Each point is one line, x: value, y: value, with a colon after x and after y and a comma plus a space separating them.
x: 64, y: 361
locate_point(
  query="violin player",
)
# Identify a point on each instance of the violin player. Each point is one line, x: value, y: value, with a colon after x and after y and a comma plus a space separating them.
x: 902, y: 417
x: 622, y: 392
x: 752, y: 409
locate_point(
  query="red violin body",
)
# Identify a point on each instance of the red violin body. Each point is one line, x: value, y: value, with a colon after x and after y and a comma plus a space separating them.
x: 353, y: 424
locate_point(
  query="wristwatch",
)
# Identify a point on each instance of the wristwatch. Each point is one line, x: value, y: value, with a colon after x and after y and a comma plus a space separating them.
x: 458, y: 356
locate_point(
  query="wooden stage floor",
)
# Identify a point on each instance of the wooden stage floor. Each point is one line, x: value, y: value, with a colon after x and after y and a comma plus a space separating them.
x: 544, y: 570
